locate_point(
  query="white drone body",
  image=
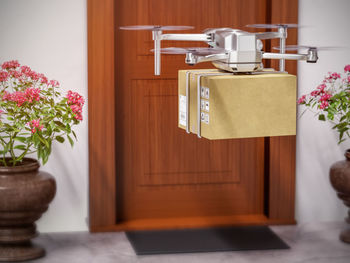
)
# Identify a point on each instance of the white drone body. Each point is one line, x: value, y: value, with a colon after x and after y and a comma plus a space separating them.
x: 229, y: 49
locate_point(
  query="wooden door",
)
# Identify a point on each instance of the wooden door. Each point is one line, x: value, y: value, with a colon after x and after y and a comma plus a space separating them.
x: 144, y: 172
x: 162, y: 172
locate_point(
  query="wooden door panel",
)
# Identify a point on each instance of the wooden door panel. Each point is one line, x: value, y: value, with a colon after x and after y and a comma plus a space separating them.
x: 166, y: 158
x: 182, y: 171
x: 163, y: 171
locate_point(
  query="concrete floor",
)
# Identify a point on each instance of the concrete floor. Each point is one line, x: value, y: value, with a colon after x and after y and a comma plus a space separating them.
x: 310, y: 243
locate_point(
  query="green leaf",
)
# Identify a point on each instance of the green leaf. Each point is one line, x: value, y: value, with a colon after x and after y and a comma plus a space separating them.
x: 330, y: 116
x: 45, y: 158
x: 60, y: 125
x: 75, y: 136
x: 68, y: 129
x: 43, y: 141
x: 343, y: 129
x: 52, y: 125
x: 49, y: 130
x: 20, y: 139
x: 70, y: 140
x: 39, y: 152
x: 60, y: 139
x: 36, y: 140
x: 45, y: 155
x: 20, y: 147
x: 341, y: 140
x: 321, y: 117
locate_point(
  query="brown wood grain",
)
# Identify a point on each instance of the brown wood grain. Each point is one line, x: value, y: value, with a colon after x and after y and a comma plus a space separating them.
x: 284, y: 11
x: 101, y: 103
x: 283, y: 149
x: 133, y: 174
x: 282, y: 178
x: 167, y: 173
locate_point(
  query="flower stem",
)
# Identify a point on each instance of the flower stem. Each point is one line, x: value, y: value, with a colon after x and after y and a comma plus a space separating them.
x: 19, y: 158
x: 12, y: 142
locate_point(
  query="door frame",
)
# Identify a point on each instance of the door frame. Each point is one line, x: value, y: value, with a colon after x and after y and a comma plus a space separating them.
x: 280, y: 153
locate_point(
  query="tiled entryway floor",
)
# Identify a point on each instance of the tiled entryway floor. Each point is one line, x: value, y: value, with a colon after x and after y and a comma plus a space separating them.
x: 311, y: 242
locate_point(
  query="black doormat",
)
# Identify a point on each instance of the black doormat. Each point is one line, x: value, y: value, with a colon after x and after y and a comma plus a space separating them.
x: 204, y: 240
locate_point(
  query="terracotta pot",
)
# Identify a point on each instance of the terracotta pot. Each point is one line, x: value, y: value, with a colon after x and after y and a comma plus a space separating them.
x: 25, y: 193
x: 340, y: 179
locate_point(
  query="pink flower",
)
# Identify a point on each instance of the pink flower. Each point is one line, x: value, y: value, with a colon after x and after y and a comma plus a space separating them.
x: 18, y: 97
x: 347, y: 80
x: 6, y: 96
x: 347, y: 68
x: 301, y: 100
x: 315, y: 93
x: 1, y: 111
x: 76, y: 102
x: 34, y: 125
x: 32, y: 94
x: 75, y: 98
x: 16, y: 74
x: 25, y: 70
x: 10, y: 64
x: 335, y: 75
x: 29, y: 73
x: 4, y: 76
x: 33, y: 75
x: 43, y: 79
x: 29, y: 95
x: 332, y: 77
x: 321, y: 87
x: 324, y: 105
x: 77, y: 110
x: 54, y: 83
x: 325, y: 97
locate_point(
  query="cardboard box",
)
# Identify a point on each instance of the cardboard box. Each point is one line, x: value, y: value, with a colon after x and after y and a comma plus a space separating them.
x: 237, y: 106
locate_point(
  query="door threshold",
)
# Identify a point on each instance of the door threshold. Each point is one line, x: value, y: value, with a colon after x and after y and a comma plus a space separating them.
x: 191, y: 222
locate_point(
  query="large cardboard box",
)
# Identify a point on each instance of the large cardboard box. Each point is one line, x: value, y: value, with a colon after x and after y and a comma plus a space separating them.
x: 237, y: 106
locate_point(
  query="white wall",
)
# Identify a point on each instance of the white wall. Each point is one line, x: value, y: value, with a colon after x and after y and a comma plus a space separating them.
x: 51, y: 37
x: 326, y: 23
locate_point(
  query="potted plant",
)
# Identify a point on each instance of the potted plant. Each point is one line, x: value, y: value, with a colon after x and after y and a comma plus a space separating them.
x: 33, y: 115
x: 331, y: 102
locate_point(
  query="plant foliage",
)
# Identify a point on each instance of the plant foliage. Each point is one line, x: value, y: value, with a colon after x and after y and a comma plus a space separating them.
x: 331, y: 100
x: 33, y: 114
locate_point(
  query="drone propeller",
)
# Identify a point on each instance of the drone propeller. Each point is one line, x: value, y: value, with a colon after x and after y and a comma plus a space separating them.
x: 194, y: 50
x: 157, y: 37
x: 273, y: 25
x: 155, y: 28
x: 298, y: 47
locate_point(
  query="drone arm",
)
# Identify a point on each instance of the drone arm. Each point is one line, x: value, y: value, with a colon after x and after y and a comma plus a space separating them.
x: 282, y: 35
x: 157, y: 61
x: 158, y: 37
x: 285, y: 56
x: 268, y: 35
x: 187, y: 37
x: 193, y: 59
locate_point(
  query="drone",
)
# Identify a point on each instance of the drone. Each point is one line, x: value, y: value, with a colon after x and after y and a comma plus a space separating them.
x: 230, y: 50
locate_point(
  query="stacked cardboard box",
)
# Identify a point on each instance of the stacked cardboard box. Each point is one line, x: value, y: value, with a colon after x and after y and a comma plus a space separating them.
x: 237, y: 106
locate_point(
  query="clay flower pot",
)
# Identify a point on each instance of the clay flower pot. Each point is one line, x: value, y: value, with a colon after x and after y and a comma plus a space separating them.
x: 25, y: 193
x: 340, y: 180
